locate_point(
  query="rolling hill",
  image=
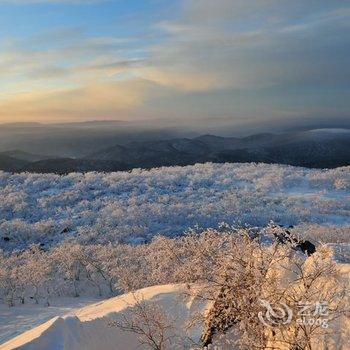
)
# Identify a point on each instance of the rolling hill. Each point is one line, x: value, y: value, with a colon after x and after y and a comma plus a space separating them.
x: 320, y: 148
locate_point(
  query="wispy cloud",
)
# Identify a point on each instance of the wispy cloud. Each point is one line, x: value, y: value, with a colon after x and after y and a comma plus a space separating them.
x: 254, y: 44
x: 233, y: 59
x: 68, y: 53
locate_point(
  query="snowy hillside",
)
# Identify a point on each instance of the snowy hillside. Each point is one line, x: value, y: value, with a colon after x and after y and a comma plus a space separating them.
x: 93, y: 327
x: 81, y: 225
x: 236, y: 267
x: 90, y: 329
x: 134, y: 206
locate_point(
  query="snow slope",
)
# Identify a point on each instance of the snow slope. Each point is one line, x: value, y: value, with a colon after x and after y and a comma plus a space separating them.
x: 20, y: 318
x: 89, y: 328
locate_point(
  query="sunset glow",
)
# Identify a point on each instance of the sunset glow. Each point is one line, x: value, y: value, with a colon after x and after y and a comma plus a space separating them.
x: 251, y: 61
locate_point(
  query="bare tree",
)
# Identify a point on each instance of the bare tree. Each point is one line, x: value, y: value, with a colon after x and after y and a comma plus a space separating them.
x: 150, y: 323
x: 247, y: 272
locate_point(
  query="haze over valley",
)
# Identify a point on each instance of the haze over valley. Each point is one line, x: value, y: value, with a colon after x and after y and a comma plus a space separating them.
x: 118, y: 146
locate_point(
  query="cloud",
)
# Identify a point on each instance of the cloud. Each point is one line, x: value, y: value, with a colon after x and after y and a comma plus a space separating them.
x: 66, y: 73
x: 67, y: 56
x: 243, y: 59
x: 96, y: 101
x: 253, y: 45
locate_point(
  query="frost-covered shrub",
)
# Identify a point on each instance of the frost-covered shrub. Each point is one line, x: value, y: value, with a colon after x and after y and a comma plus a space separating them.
x: 134, y: 206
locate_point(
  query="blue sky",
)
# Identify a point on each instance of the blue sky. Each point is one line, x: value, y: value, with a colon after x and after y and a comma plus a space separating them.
x: 241, y: 61
x: 101, y: 17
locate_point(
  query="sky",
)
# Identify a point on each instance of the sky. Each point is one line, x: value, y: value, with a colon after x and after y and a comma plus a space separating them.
x: 201, y: 61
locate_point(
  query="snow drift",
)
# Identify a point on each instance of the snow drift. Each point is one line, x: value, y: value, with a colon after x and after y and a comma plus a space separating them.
x: 89, y: 328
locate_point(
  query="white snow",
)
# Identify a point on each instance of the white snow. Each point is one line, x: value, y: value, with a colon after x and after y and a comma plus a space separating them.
x: 89, y: 328
x: 133, y: 206
x: 20, y: 318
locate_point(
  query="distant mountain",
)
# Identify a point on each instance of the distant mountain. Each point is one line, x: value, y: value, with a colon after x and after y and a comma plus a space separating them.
x: 21, y: 155
x: 12, y: 164
x: 17, y: 161
x: 314, y: 148
x: 158, y: 153
x: 79, y: 139
x: 319, y: 148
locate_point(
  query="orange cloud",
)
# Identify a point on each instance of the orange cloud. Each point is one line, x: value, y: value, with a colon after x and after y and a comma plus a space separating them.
x: 93, y: 101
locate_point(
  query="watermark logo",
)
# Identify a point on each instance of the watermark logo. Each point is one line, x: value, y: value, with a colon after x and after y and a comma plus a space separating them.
x: 275, y: 315
x: 309, y: 314
x: 313, y: 314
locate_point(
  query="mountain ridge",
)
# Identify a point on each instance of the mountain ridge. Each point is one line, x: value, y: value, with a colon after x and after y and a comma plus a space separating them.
x: 322, y: 148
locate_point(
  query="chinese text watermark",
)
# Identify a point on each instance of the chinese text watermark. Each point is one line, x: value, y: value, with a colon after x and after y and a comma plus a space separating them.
x: 308, y: 314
